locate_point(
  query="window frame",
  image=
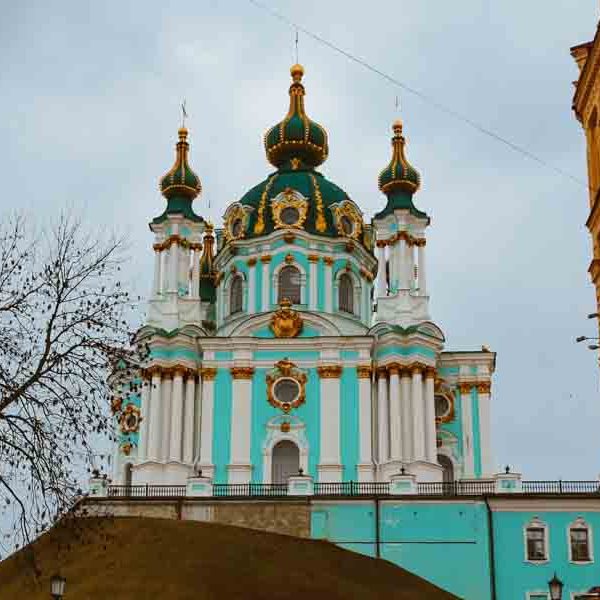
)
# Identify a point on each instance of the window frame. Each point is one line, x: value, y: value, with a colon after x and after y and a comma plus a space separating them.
x: 234, y: 279
x: 536, y: 523
x: 346, y: 277
x: 581, y: 523
x: 301, y: 285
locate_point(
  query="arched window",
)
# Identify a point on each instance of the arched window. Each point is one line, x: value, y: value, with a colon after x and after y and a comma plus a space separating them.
x: 236, y: 295
x: 289, y: 285
x: 346, y: 294
x: 536, y: 541
x: 286, y: 461
x: 580, y: 542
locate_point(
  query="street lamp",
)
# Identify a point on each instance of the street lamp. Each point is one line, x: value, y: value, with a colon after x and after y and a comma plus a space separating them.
x: 556, y: 588
x: 57, y: 587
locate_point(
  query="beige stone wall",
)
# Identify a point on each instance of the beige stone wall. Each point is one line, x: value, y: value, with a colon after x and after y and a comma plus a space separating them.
x: 290, y: 518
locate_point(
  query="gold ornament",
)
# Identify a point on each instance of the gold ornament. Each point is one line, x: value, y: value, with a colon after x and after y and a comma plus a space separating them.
x: 330, y: 371
x: 130, y: 419
x: 345, y: 212
x: 242, y: 372
x: 236, y: 223
x: 286, y: 370
x: 289, y: 199
x: 286, y: 322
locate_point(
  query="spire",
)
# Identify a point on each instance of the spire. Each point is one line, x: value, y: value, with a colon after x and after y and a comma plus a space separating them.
x: 399, y: 180
x: 207, y: 271
x: 181, y: 180
x: 180, y: 185
x: 297, y: 141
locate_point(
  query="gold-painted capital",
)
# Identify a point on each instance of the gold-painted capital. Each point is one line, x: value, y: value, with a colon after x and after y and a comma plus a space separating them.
x: 484, y: 387
x: 381, y: 372
x: 429, y: 372
x: 330, y: 371
x: 266, y: 258
x: 328, y: 260
x: 313, y: 258
x: 381, y: 243
x: 364, y: 371
x: 242, y: 372
x: 251, y: 261
x: 208, y: 373
x: 465, y: 388
x: 394, y: 369
x: 417, y: 368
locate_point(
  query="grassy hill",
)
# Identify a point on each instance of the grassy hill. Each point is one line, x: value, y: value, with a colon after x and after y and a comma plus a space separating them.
x: 127, y: 558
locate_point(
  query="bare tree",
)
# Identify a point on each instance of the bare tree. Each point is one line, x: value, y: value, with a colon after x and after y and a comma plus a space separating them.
x: 63, y: 326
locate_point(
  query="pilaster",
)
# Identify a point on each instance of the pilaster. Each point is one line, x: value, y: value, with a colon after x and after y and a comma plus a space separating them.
x: 467, y: 430
x: 395, y: 413
x: 330, y: 468
x: 207, y: 381
x: 383, y: 416
x: 365, y: 466
x: 240, y: 469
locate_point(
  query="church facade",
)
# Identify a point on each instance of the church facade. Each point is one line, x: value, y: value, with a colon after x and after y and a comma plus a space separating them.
x: 298, y: 336
x: 291, y: 352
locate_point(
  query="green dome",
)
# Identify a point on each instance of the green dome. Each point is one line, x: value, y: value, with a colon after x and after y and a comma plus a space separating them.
x: 399, y: 174
x: 320, y: 192
x: 180, y: 185
x: 399, y: 180
x: 297, y: 140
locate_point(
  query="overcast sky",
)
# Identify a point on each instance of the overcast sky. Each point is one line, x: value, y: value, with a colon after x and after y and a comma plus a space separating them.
x: 90, y: 94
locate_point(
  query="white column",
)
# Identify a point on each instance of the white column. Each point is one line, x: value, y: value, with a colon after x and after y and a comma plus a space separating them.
x: 154, y: 432
x: 189, y: 419
x: 172, y: 268
x: 381, y: 284
x: 328, y: 284
x: 206, y: 425
x: 383, y: 416
x: 410, y: 266
x: 251, y: 285
x: 196, y: 272
x: 395, y: 414
x: 401, y: 272
x: 483, y: 394
x: 266, y: 283
x: 240, y: 468
x: 145, y: 412
x: 183, y: 265
x: 365, y: 429
x: 167, y: 388
x: 421, y: 269
x: 406, y: 401
x: 312, y: 275
x: 430, y: 430
x: 330, y: 469
x: 418, y: 413
x: 176, y: 417
x: 365, y: 300
x: 467, y: 430
x: 157, y: 274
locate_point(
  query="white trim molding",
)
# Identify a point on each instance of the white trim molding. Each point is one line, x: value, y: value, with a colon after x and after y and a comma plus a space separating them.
x: 581, y: 523
x: 537, y: 523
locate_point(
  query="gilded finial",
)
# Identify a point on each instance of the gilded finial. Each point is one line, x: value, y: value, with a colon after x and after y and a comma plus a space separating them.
x: 397, y: 127
x: 297, y: 72
x: 183, y: 133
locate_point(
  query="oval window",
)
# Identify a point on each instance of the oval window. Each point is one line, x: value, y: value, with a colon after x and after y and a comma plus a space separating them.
x: 286, y: 390
x: 237, y: 228
x: 347, y: 225
x: 442, y: 406
x: 289, y: 215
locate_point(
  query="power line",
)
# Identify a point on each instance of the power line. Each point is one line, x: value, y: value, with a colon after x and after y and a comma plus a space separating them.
x: 424, y: 97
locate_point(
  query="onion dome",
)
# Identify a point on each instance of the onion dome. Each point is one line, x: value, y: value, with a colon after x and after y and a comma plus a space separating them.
x: 399, y: 180
x: 180, y: 185
x: 207, y: 271
x: 297, y: 139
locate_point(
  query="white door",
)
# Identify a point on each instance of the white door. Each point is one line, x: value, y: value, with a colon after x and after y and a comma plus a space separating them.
x: 286, y: 461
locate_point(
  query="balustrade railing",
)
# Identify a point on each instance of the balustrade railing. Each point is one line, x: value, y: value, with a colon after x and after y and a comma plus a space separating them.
x: 354, y: 488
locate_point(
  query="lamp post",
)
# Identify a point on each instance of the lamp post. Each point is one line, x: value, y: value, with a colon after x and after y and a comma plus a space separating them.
x: 555, y: 586
x: 57, y: 587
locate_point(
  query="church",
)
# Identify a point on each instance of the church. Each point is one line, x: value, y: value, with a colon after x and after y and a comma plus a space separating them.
x: 294, y: 380
x: 298, y: 336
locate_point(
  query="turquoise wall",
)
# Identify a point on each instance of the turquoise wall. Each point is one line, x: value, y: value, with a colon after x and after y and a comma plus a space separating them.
x: 349, y: 424
x: 222, y: 424
x: 476, y: 432
x: 515, y: 576
x: 445, y: 543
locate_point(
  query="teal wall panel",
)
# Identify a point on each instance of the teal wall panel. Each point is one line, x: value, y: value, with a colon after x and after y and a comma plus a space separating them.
x: 476, y: 432
x: 258, y: 280
x: 320, y: 285
x: 276, y: 355
x: 349, y: 429
x: 515, y: 576
x: 222, y: 424
x: 223, y: 355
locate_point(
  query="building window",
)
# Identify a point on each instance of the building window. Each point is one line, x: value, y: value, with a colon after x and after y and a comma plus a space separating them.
x: 346, y: 294
x: 536, y: 541
x: 538, y: 596
x: 289, y: 285
x: 236, y: 295
x: 579, y: 542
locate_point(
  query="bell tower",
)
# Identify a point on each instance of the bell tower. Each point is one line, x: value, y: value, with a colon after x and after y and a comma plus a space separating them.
x: 402, y: 297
